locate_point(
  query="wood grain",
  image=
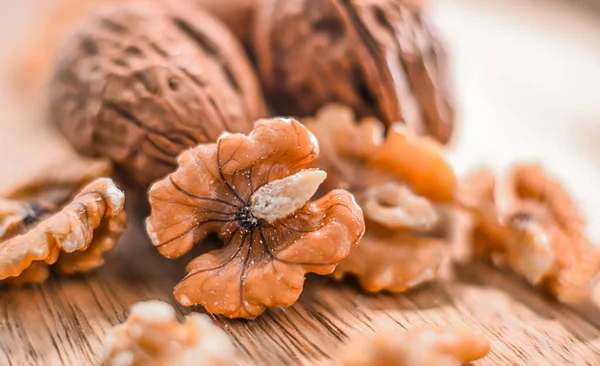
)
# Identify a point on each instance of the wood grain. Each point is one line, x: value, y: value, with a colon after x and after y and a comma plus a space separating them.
x: 65, y: 320
x: 507, y: 98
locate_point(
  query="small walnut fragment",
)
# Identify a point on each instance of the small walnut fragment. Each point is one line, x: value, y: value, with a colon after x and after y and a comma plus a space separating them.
x: 139, y: 84
x: 379, y: 57
x: 421, y: 347
x: 526, y: 220
x: 252, y: 191
x: 402, y: 183
x: 152, y: 336
x: 67, y: 220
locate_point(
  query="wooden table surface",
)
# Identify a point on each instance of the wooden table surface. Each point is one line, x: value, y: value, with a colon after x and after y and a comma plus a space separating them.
x: 527, y: 74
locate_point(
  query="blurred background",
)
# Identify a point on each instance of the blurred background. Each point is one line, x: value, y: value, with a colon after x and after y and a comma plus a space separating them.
x: 527, y: 81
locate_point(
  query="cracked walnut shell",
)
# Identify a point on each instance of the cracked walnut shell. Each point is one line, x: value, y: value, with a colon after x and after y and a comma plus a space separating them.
x: 139, y: 84
x: 525, y: 220
x: 252, y: 191
x: 420, y: 347
x: 152, y: 336
x: 401, y: 182
x: 68, y: 220
x: 379, y: 57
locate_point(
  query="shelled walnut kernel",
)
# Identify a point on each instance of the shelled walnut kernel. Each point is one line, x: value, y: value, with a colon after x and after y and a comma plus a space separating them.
x: 421, y: 347
x: 401, y: 182
x: 152, y: 336
x: 67, y: 218
x: 526, y: 220
x: 252, y: 191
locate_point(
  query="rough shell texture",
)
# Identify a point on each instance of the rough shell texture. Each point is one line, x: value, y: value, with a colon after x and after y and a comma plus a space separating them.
x: 34, y: 64
x: 262, y: 263
x: 525, y: 220
x: 139, y: 84
x: 237, y: 14
x: 152, y: 336
x: 419, y: 347
x: 380, y: 57
x: 54, y: 221
x: 400, y: 181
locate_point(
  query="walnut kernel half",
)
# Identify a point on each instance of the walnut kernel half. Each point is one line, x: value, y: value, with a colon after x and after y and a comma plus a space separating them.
x: 252, y: 191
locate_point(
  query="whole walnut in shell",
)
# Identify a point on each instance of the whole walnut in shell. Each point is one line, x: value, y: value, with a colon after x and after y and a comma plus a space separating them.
x: 139, y: 84
x: 379, y: 57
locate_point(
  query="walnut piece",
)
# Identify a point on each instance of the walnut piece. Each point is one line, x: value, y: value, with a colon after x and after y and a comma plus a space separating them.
x: 421, y: 347
x: 152, y: 336
x: 525, y: 220
x: 401, y: 182
x: 139, y: 84
x: 62, y: 220
x: 252, y: 191
x: 380, y: 57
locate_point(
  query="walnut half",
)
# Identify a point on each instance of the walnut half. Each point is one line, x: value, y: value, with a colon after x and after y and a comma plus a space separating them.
x: 253, y: 191
x: 59, y: 220
x: 402, y: 182
x: 152, y: 336
x: 420, y: 347
x: 525, y: 220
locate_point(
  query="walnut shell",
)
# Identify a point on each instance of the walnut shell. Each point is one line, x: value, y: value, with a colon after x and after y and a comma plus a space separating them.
x: 380, y: 57
x: 139, y: 84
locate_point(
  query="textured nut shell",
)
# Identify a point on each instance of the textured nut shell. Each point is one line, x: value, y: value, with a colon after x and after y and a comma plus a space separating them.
x: 527, y: 221
x: 139, y: 84
x: 393, y: 260
x: 418, y: 347
x: 236, y: 14
x: 264, y: 263
x: 91, y: 223
x: 152, y: 336
x: 380, y: 57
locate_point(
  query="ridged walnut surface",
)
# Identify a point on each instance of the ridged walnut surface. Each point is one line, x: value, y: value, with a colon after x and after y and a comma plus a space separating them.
x: 380, y: 57
x: 139, y: 84
x: 264, y: 259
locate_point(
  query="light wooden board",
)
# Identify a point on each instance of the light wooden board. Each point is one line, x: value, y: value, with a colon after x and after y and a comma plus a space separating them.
x: 526, y: 73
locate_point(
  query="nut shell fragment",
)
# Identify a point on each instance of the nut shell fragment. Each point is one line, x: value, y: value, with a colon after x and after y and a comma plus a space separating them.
x: 264, y: 258
x: 379, y: 57
x: 138, y: 84
x: 401, y: 181
x: 420, y: 347
x: 525, y: 220
x: 54, y: 228
x: 152, y: 336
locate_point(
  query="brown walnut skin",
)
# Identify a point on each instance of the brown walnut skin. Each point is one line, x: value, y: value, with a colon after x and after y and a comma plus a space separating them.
x: 253, y: 191
x: 236, y: 14
x: 379, y: 57
x: 138, y: 84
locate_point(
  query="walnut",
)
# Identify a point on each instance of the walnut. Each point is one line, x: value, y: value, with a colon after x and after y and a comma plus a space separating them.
x: 525, y: 220
x: 66, y: 218
x: 401, y: 182
x: 252, y: 191
x: 152, y: 336
x: 139, y: 84
x: 236, y: 14
x: 420, y: 347
x: 380, y: 57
